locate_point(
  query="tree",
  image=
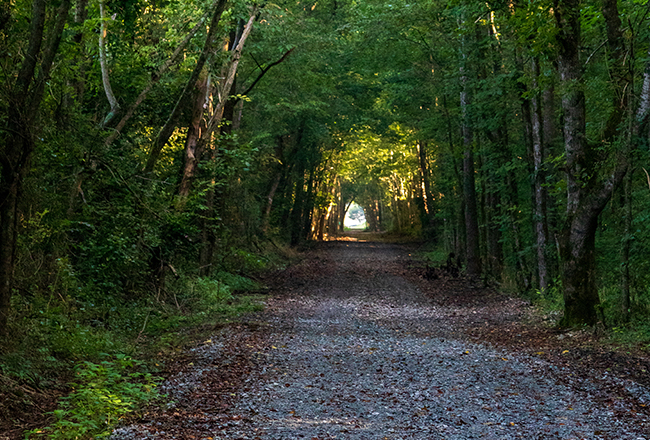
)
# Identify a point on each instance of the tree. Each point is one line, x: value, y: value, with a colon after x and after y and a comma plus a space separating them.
x: 587, y: 194
x: 19, y: 136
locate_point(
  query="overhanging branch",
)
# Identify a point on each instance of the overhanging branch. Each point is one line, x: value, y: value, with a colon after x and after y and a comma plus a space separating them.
x: 264, y: 70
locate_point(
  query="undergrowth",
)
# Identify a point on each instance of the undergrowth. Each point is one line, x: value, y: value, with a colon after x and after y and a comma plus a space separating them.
x: 92, y: 344
x: 101, y: 394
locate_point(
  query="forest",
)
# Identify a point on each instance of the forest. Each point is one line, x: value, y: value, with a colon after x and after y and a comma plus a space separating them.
x: 155, y: 155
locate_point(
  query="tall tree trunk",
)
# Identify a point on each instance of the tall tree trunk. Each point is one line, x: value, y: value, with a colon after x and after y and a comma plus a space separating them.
x: 469, y: 186
x: 586, y: 195
x: 199, y: 139
x: 639, y: 125
x: 539, y: 179
x: 469, y: 190
x: 208, y: 236
x: 550, y: 144
x: 495, y: 249
x: 230, y: 72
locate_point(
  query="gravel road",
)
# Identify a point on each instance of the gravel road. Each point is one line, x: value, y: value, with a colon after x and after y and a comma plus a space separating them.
x: 351, y: 348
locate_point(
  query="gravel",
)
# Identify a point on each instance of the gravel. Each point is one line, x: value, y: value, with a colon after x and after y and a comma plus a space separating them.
x: 350, y: 348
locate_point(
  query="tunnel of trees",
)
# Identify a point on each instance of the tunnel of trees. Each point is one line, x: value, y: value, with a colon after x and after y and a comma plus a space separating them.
x: 152, y: 146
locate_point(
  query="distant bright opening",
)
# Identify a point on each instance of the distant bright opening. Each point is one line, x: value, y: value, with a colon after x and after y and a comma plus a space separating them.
x: 355, y: 218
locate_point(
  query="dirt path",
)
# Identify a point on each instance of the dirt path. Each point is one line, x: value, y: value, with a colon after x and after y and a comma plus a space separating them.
x: 352, y: 345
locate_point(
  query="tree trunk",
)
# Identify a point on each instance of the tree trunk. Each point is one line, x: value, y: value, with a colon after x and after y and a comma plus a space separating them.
x: 308, y: 207
x: 638, y: 128
x: 522, y: 274
x: 208, y: 237
x: 550, y: 143
x: 296, y: 212
x: 9, y: 189
x: 577, y: 253
x: 269, y: 202
x: 625, y: 247
x: 192, y: 154
x: 79, y: 83
x: 469, y: 191
x: 230, y: 72
x: 495, y: 249
x: 586, y: 196
x: 539, y: 179
x: 427, y: 196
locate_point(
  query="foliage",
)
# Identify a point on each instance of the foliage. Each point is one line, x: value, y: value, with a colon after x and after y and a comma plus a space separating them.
x: 101, y: 394
x: 327, y: 108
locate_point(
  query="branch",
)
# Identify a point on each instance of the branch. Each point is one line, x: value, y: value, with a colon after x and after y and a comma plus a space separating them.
x: 595, y: 51
x: 264, y: 70
x: 115, y: 106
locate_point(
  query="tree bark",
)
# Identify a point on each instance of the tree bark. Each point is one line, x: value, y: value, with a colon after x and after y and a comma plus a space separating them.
x: 201, y: 138
x: 577, y: 242
x: 638, y: 128
x: 308, y: 207
x: 79, y: 83
x: 620, y: 75
x: 225, y: 87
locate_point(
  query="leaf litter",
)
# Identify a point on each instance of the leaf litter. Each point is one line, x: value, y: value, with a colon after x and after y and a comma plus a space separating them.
x: 353, y: 344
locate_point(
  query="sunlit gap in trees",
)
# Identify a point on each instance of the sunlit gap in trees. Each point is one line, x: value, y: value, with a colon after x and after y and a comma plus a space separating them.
x: 355, y: 218
x: 379, y: 172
